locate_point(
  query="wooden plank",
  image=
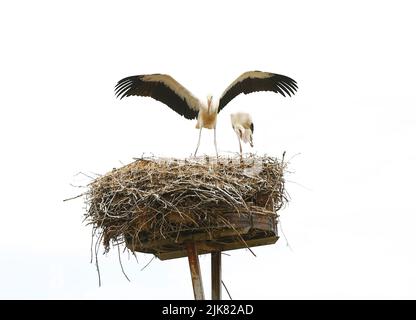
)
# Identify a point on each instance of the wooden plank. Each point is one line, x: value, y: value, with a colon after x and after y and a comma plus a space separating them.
x: 181, y: 253
x: 215, y: 234
x: 256, y: 230
x: 224, y: 247
x: 216, y: 275
x: 266, y: 223
x: 251, y: 243
x: 195, y: 270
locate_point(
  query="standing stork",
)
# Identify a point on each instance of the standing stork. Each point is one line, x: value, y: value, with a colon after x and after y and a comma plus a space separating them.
x: 244, y: 128
x: 164, y: 88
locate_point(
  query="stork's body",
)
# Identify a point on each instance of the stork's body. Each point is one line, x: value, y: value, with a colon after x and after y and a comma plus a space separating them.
x: 207, y: 118
x: 244, y: 128
x: 164, y: 88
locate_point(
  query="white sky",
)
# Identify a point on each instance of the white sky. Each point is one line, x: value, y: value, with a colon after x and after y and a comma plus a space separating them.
x: 352, y: 218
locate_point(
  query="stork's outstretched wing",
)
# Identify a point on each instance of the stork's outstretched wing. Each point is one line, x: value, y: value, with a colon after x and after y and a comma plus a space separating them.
x: 163, y: 88
x: 253, y: 81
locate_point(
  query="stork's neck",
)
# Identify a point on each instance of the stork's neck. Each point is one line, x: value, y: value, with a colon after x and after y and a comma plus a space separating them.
x: 212, y: 109
x: 211, y: 106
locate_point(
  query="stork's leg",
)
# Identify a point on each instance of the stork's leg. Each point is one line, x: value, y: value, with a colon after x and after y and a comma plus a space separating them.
x: 239, y: 142
x: 199, y: 140
x: 215, y: 140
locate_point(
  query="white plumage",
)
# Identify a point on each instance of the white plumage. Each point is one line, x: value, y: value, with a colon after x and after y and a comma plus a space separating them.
x: 244, y: 128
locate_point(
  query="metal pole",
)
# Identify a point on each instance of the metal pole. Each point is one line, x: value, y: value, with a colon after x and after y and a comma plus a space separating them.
x: 216, y: 275
x: 195, y: 271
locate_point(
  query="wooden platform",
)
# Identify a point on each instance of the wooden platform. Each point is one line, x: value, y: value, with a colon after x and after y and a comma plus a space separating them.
x: 243, y: 230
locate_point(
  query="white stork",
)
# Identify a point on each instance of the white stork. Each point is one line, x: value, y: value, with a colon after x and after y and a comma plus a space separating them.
x: 243, y: 126
x: 165, y: 89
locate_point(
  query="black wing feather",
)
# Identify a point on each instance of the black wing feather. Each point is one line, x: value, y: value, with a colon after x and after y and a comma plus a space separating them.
x: 274, y: 82
x: 136, y: 86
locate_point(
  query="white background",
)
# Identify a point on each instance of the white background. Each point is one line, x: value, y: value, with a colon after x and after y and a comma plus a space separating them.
x: 350, y: 130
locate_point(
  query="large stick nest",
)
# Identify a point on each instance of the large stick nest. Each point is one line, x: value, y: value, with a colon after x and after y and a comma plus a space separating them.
x: 155, y: 198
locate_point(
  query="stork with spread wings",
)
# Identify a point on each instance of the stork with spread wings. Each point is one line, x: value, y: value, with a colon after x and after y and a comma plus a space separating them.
x: 165, y: 89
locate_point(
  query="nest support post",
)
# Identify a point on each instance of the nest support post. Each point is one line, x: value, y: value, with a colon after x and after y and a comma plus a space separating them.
x: 216, y: 275
x: 193, y: 259
x: 195, y: 270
